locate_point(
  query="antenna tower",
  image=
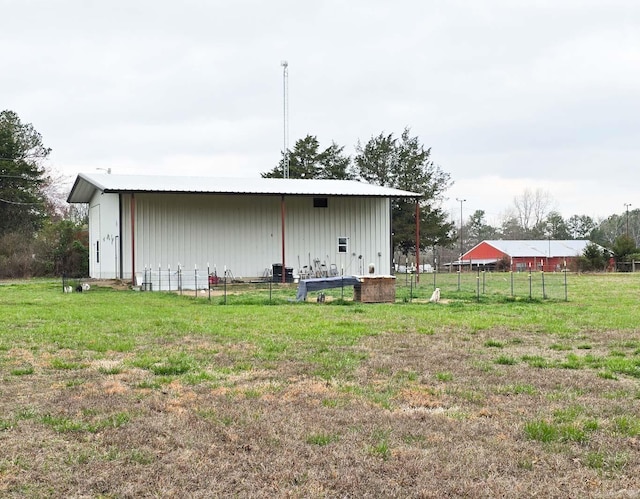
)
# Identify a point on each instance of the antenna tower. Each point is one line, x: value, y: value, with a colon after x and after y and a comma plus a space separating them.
x: 285, y: 110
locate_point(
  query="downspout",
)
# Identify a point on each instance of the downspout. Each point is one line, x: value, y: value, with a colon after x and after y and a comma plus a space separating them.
x: 282, y: 212
x: 417, y: 240
x: 133, y: 239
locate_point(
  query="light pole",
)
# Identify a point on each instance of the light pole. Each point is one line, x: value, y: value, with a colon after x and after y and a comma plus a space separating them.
x: 627, y: 206
x: 549, y: 233
x: 460, y: 201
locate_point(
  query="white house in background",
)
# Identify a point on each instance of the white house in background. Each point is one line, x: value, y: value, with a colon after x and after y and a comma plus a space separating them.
x: 244, y: 225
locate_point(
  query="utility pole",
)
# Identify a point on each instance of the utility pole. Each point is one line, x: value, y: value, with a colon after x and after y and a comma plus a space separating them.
x: 285, y: 111
x: 460, y: 201
x: 627, y: 206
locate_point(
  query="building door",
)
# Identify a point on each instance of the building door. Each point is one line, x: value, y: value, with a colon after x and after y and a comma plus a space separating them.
x: 94, y: 242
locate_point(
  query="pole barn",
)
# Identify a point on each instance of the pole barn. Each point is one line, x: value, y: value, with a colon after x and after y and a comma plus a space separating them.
x: 248, y: 226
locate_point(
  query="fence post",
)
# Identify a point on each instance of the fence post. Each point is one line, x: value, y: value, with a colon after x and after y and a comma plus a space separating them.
x: 225, y: 284
x: 566, y: 293
x: 459, y: 271
x: 511, y: 272
x: 478, y: 284
x: 411, y: 289
x: 530, y: 290
x: 544, y: 293
x: 406, y: 270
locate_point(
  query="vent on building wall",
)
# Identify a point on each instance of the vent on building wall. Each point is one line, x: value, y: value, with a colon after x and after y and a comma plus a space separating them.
x: 320, y: 203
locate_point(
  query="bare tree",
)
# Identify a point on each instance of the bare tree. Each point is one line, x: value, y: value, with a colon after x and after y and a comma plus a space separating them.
x: 55, y: 189
x: 532, y: 208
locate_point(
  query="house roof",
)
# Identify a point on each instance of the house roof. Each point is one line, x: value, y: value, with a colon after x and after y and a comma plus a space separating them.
x: 536, y: 248
x: 86, y: 184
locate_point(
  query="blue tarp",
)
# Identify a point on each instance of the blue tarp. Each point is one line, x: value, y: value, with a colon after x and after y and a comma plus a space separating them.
x: 306, y: 285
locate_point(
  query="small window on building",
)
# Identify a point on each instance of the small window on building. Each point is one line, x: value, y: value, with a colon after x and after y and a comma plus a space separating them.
x: 343, y: 245
x: 97, y: 251
x: 320, y: 203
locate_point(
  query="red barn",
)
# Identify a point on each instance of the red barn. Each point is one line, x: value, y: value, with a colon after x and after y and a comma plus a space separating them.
x: 522, y: 255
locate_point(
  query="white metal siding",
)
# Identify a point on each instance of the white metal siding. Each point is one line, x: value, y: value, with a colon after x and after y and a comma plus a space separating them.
x: 94, y: 238
x: 240, y: 233
x: 244, y: 233
x: 103, y: 235
x: 312, y: 233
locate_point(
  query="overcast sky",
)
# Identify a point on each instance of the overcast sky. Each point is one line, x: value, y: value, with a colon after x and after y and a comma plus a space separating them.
x: 508, y: 94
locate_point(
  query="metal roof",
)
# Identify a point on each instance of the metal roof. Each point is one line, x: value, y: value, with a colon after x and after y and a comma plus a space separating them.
x: 86, y: 184
x: 541, y: 247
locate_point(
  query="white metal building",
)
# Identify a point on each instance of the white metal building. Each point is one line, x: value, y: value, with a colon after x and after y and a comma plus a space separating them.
x: 244, y: 225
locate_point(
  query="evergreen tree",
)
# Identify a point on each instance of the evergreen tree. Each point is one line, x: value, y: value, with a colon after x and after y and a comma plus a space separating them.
x: 22, y: 176
x: 405, y: 164
x: 581, y: 226
x: 477, y: 230
x: 555, y: 227
x: 377, y: 161
x: 623, y: 247
x: 307, y: 161
x: 593, y: 258
x: 334, y: 164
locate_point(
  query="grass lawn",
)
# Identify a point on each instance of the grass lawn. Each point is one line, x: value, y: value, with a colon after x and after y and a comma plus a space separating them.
x: 131, y: 394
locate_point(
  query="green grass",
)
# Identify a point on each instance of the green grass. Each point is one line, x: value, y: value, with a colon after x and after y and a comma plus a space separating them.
x: 505, y: 360
x: 63, y: 424
x: 380, y: 447
x: 493, y: 344
x: 322, y: 439
x: 444, y: 376
x: 22, y: 371
x: 560, y: 347
x: 627, y: 425
x: 607, y: 461
x: 547, y: 432
x: 87, y: 372
x: 111, y: 313
x: 518, y: 389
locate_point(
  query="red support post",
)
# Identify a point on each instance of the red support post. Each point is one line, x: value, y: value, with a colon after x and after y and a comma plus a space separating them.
x: 282, y: 212
x: 133, y: 239
x: 417, y: 240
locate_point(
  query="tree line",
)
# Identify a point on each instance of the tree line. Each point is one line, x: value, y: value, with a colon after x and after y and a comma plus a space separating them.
x: 397, y: 162
x: 532, y: 217
x: 39, y: 234
x: 42, y: 235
